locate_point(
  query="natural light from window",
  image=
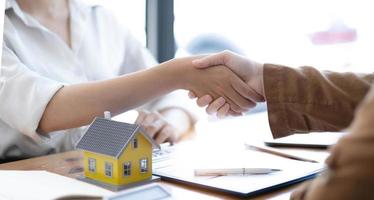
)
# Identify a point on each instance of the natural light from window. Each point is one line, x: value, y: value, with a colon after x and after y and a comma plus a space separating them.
x: 130, y: 14
x: 327, y: 34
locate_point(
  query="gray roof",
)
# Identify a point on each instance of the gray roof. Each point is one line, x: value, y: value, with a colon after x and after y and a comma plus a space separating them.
x: 109, y: 137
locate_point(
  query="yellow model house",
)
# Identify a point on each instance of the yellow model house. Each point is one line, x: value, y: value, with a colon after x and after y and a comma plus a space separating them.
x: 116, y: 153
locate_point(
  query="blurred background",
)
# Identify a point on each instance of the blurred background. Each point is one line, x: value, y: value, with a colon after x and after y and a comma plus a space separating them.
x: 335, y: 35
x: 328, y: 34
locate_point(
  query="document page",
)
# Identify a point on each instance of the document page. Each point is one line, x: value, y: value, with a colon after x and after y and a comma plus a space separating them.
x: 42, y: 185
x: 185, y: 158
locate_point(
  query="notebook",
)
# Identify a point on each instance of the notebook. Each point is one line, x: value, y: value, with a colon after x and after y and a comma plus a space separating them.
x: 310, y: 140
x: 177, y: 164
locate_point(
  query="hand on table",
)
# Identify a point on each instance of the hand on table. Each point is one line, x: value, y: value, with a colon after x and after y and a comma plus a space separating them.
x: 157, y: 127
x: 249, y: 71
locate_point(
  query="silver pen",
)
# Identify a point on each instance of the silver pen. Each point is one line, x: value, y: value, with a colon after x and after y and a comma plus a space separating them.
x: 234, y: 171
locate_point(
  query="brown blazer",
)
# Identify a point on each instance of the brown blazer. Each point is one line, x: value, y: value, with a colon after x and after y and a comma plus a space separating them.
x: 304, y: 99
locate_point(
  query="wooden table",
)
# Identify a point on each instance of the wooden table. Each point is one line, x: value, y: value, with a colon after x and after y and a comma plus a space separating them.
x: 70, y: 164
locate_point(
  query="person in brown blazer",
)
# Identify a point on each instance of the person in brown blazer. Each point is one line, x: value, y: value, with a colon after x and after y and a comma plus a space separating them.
x: 304, y: 100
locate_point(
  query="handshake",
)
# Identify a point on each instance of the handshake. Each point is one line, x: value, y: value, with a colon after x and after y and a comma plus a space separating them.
x: 227, y: 83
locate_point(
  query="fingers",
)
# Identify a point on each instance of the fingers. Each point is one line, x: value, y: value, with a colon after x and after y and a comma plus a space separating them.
x: 241, y: 94
x: 223, y: 111
x: 222, y: 108
x: 237, y: 102
x: 218, y: 106
x: 234, y: 113
x: 204, y: 100
x: 212, y: 60
x: 141, y: 117
x: 191, y: 94
x: 151, y: 122
x: 166, y: 134
x: 201, y: 101
x: 151, y: 118
x: 156, y: 126
x: 215, y: 106
x: 153, y: 128
x: 246, y: 91
x: 238, y: 94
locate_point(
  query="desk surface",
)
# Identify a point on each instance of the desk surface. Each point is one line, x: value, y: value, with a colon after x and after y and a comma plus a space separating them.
x: 70, y: 163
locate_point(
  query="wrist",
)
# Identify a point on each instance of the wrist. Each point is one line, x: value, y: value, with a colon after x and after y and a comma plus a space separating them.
x: 255, y: 77
x: 177, y: 72
x: 260, y: 75
x: 170, y: 75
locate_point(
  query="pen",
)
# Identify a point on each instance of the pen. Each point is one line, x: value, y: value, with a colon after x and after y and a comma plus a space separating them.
x: 233, y: 171
x: 278, y: 153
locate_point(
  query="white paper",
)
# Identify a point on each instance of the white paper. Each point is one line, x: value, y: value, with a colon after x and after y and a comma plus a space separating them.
x: 42, y: 185
x: 186, y: 157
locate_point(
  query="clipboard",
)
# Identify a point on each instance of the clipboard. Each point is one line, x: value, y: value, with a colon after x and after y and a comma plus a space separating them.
x: 174, y: 167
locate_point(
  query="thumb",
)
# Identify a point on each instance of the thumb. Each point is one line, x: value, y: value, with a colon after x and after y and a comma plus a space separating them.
x: 211, y: 60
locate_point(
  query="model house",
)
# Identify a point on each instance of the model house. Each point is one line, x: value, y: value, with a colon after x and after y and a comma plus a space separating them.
x: 116, y: 153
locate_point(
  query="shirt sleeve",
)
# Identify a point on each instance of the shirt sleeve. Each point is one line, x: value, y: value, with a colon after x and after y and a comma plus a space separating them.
x: 305, y: 99
x: 24, y: 94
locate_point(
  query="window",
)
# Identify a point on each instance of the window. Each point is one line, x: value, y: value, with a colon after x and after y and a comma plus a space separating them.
x: 339, y: 38
x: 135, y: 143
x: 130, y: 14
x: 143, y: 165
x: 108, y: 169
x: 127, y: 169
x: 91, y: 165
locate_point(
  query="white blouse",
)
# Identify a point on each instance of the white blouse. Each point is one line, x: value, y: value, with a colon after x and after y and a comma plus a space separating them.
x: 36, y: 63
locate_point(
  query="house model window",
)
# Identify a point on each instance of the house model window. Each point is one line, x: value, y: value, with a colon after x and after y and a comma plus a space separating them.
x: 135, y: 143
x: 143, y: 165
x: 92, y: 165
x: 108, y: 169
x: 127, y: 169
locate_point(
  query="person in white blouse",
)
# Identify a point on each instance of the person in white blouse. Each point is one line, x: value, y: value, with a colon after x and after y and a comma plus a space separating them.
x: 64, y: 62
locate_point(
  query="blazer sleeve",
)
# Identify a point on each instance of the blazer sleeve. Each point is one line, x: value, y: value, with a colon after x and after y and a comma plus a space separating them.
x: 305, y: 99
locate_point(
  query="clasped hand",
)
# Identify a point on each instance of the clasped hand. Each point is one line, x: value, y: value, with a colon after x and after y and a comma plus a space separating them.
x: 228, y: 83
x: 232, y: 94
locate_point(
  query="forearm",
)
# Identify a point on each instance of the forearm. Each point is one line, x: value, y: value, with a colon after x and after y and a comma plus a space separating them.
x: 304, y: 99
x: 79, y: 104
